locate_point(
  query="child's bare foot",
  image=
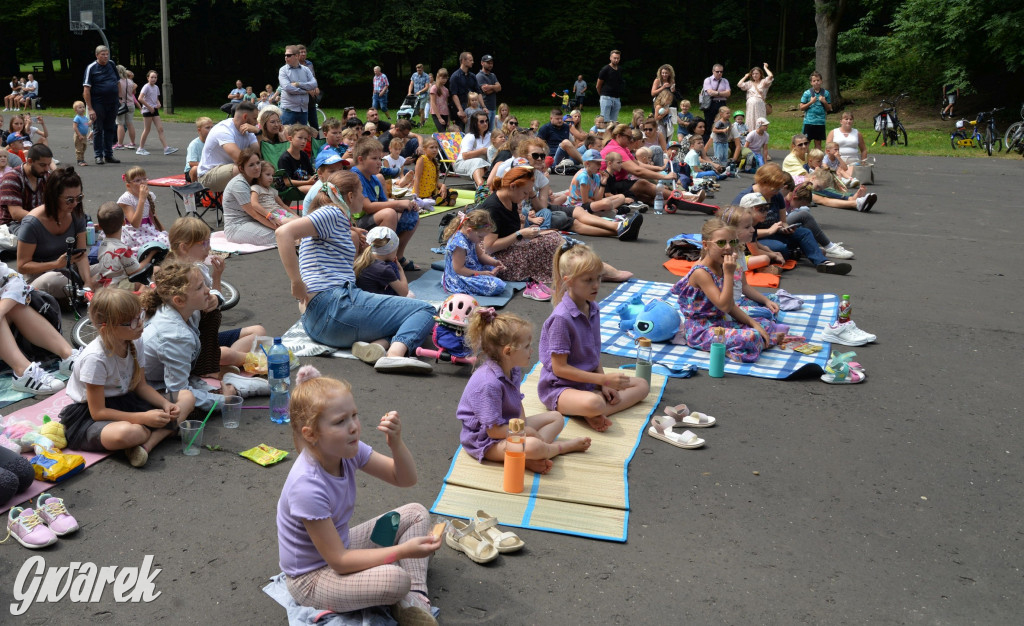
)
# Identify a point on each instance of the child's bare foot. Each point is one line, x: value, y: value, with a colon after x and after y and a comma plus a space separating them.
x: 860, y: 192
x: 600, y: 423
x: 618, y: 276
x: 579, y: 444
x: 540, y: 466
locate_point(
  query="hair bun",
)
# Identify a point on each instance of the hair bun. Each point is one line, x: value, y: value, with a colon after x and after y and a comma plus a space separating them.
x: 306, y: 372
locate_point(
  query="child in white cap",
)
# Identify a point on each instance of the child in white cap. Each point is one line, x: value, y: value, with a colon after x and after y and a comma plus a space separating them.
x: 377, y: 269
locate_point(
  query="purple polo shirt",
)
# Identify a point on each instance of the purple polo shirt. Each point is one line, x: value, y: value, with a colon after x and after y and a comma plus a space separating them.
x: 716, y: 84
x: 490, y: 399
x: 567, y: 331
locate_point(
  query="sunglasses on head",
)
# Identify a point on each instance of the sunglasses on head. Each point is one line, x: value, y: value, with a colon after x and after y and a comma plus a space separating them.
x: 732, y: 243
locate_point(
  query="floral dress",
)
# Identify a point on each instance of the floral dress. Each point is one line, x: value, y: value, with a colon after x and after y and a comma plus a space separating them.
x: 756, y: 94
x: 701, y: 316
x: 473, y: 285
x: 147, y: 232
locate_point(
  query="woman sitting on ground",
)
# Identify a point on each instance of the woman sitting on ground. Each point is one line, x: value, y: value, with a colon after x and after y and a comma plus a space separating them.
x: 245, y: 222
x: 852, y: 147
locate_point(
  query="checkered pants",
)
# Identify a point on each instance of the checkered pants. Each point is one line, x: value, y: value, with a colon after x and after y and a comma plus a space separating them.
x: 383, y: 585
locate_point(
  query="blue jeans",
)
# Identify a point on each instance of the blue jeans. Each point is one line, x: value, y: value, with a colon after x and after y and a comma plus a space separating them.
x: 380, y: 102
x: 560, y: 155
x: 410, y: 147
x: 799, y: 238
x: 544, y: 213
x: 610, y: 108
x: 294, y: 117
x: 343, y: 315
x: 721, y: 152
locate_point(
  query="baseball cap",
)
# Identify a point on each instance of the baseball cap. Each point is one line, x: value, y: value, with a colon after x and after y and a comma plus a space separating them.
x: 592, y: 155
x: 762, y: 121
x: 674, y: 144
x: 486, y: 57
x: 383, y: 240
x: 752, y: 200
x: 16, y: 137
x: 740, y: 112
x: 328, y: 156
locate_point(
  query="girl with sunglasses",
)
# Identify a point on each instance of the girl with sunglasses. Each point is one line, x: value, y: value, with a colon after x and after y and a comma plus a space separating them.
x: 705, y: 297
x: 113, y: 407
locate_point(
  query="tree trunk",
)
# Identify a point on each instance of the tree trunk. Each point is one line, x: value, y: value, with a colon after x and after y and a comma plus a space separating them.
x: 780, y: 61
x: 827, y: 14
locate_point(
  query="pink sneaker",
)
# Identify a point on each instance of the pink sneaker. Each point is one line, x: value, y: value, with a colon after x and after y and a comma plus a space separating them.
x: 51, y: 510
x: 536, y: 291
x: 29, y: 529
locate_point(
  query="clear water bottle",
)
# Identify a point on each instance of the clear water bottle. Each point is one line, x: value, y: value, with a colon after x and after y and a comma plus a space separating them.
x: 279, y: 377
x: 659, y: 199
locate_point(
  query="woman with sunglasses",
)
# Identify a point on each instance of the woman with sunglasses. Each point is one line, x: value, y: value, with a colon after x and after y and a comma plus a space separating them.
x: 42, y: 238
x: 705, y: 297
x: 113, y: 407
x: 795, y: 163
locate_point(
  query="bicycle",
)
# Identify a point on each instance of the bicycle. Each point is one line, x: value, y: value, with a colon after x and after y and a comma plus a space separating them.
x: 890, y: 129
x: 84, y: 332
x: 966, y: 135
x: 990, y: 137
x: 1013, y: 132
x: 75, y: 290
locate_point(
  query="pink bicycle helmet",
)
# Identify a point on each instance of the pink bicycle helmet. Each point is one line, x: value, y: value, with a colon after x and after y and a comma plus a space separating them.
x: 457, y: 308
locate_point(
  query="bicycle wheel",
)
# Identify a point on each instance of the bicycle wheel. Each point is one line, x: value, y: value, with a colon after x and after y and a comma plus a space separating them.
x: 1010, y: 132
x: 230, y: 294
x: 900, y: 133
x: 953, y: 138
x: 987, y: 140
x: 83, y: 332
x: 323, y: 116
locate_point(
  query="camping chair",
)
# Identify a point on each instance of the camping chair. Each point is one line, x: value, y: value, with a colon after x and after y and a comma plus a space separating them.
x: 450, y: 143
x: 271, y: 153
x: 196, y: 200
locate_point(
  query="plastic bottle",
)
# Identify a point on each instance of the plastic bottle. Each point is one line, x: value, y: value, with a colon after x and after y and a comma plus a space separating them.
x: 659, y: 200
x: 515, y: 457
x: 845, y: 310
x: 644, y: 359
x: 279, y: 377
x: 90, y: 233
x: 717, y: 367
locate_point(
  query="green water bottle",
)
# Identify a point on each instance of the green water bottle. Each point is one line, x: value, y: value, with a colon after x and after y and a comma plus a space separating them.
x: 845, y: 310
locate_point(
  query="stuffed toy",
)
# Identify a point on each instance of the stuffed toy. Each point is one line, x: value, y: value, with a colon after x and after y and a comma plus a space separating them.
x: 657, y: 320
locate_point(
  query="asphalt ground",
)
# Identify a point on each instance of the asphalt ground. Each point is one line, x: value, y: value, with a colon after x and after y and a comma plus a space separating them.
x: 894, y: 501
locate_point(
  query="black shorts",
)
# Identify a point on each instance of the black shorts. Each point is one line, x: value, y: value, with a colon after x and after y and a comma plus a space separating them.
x: 586, y: 207
x: 619, y: 186
x: 227, y: 338
x: 815, y: 131
x: 83, y: 432
x: 151, y: 113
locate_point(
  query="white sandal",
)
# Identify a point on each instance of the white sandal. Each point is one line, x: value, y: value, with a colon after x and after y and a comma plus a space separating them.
x: 661, y: 428
x: 504, y: 541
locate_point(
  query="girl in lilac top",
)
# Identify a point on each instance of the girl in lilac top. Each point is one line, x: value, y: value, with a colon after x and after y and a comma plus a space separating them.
x: 572, y: 380
x: 492, y: 397
x: 328, y: 565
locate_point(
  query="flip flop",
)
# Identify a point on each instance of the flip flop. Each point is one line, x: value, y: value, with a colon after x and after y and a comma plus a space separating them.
x: 661, y: 428
x: 463, y: 538
x: 504, y: 541
x: 409, y: 266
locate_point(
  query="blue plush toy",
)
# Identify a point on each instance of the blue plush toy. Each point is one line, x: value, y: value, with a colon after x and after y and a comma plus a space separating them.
x: 657, y: 320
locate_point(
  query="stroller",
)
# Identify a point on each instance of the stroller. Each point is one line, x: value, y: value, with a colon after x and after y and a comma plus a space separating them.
x: 408, y: 109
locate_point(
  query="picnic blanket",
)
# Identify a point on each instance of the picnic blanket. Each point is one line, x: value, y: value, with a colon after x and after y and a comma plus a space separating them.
x: 818, y: 311
x: 466, y: 198
x: 47, y: 406
x: 301, y: 344
x: 219, y: 243
x: 428, y: 288
x: 585, y: 494
x: 178, y: 180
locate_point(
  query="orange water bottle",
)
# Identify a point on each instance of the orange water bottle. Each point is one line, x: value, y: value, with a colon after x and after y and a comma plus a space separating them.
x: 515, y: 457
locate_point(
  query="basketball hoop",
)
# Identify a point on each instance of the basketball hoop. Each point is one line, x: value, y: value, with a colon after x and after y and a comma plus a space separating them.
x: 77, y: 28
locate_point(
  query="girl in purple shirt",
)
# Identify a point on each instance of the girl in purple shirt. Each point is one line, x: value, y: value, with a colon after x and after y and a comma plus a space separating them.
x: 492, y: 397
x: 572, y: 380
x: 328, y: 565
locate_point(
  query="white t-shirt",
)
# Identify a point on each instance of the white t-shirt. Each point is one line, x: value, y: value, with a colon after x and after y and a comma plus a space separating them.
x: 470, y: 142
x: 95, y: 366
x: 755, y: 141
x: 223, y: 132
x: 149, y: 96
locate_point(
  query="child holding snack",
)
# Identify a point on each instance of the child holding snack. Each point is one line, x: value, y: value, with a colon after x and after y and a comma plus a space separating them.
x: 492, y: 397
x: 113, y: 407
x: 572, y: 380
x: 141, y: 225
x: 326, y: 563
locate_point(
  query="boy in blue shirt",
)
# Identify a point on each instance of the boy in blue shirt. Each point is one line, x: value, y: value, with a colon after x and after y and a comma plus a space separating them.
x: 815, y: 103
x: 80, y: 123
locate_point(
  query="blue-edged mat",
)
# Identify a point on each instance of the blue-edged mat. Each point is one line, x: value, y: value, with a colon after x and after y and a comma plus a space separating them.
x: 585, y: 494
x: 818, y: 311
x: 9, y: 396
x: 428, y: 288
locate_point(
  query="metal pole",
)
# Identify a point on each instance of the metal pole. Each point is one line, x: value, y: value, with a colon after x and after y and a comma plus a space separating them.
x: 165, y: 54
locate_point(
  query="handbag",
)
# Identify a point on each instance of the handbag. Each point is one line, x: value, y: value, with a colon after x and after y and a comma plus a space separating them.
x: 704, y: 100
x: 123, y: 109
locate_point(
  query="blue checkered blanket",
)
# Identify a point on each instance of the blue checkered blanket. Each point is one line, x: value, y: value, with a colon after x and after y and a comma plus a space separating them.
x: 817, y: 311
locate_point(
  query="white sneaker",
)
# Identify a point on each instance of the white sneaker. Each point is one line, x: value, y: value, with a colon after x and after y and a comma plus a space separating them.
x: 37, y: 381
x: 846, y: 334
x: 247, y: 387
x: 838, y: 252
x: 368, y: 352
x: 402, y: 365
x: 853, y: 183
x: 142, y: 152
x: 68, y: 363
x: 169, y: 150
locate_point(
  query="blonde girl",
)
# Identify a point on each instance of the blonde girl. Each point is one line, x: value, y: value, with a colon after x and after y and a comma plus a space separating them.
x: 149, y: 100
x: 492, y: 398
x: 263, y: 194
x: 720, y: 136
x: 377, y: 269
x: 502, y: 116
x: 327, y: 563
x: 572, y: 380
x: 467, y: 266
x: 425, y: 179
x: 190, y: 243
x: 755, y: 303
x: 113, y: 407
x: 141, y: 224
x: 439, y: 101
x: 705, y: 297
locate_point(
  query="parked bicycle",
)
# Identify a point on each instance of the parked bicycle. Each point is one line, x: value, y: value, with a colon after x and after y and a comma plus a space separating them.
x: 966, y: 135
x: 990, y: 136
x: 75, y: 290
x: 890, y: 129
x: 1013, y: 139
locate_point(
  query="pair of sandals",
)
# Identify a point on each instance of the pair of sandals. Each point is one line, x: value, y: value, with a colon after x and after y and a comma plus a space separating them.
x: 676, y: 417
x: 480, y: 539
x: 841, y: 369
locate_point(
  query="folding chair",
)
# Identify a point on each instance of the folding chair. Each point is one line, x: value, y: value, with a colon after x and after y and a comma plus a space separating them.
x: 196, y: 200
x: 450, y: 143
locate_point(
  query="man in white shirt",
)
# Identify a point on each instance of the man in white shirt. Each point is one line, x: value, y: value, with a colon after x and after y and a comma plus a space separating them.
x: 297, y: 85
x: 225, y: 142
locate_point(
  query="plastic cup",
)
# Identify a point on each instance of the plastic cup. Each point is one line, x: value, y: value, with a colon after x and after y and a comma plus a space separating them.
x: 231, y: 411
x: 190, y: 429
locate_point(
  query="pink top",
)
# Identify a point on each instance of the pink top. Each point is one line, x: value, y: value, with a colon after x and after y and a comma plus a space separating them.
x: 613, y: 146
x: 441, y: 100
